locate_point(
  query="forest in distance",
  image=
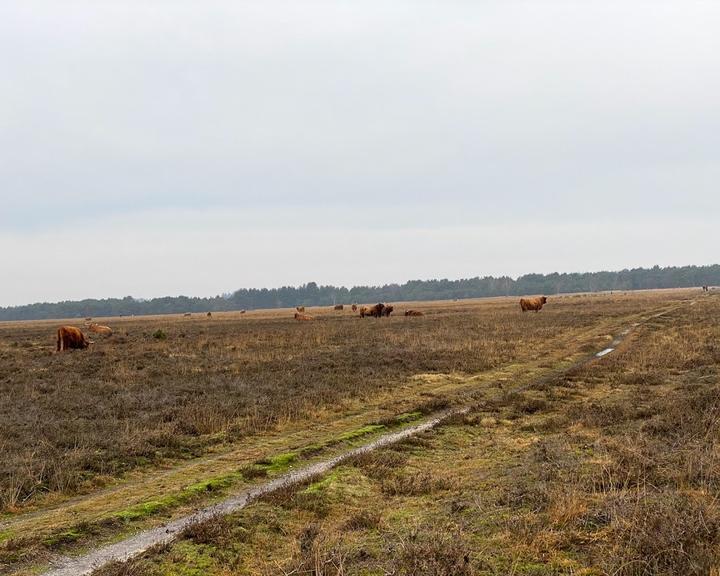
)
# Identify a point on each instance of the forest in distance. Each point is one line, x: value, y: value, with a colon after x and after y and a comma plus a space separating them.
x: 312, y: 294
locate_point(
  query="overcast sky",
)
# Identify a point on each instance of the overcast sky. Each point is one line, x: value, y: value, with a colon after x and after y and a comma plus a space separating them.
x: 161, y: 148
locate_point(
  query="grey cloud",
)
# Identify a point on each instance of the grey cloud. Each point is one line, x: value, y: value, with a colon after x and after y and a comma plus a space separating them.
x: 447, y: 113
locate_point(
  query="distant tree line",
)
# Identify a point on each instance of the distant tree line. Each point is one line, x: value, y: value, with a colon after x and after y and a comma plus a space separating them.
x: 311, y: 294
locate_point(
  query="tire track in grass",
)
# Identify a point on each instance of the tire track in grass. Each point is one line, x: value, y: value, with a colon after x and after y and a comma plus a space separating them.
x: 135, y: 545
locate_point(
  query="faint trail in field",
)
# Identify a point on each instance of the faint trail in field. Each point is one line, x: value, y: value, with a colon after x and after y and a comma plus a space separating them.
x: 618, y: 339
x: 135, y: 545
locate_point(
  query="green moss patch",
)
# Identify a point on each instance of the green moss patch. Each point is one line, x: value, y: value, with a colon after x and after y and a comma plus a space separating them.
x: 6, y: 535
x: 147, y: 508
x: 64, y: 537
x: 364, y: 431
x: 152, y: 507
x: 197, y: 560
x: 213, y: 484
x: 408, y: 417
x: 321, y: 485
x: 278, y: 463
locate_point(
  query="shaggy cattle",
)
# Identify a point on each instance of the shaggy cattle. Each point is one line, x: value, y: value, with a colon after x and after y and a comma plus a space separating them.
x: 413, y: 313
x: 209, y: 314
x: 532, y: 303
x: 338, y: 307
x: 300, y: 308
x: 70, y: 337
x: 302, y: 317
x: 354, y: 307
x: 99, y: 329
x: 375, y: 311
x: 387, y: 311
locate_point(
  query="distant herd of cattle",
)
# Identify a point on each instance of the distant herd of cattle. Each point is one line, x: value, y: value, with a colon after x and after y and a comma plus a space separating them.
x: 69, y: 337
x: 377, y: 311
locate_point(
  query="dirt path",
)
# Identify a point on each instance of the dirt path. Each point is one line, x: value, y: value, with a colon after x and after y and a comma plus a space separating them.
x: 137, y: 544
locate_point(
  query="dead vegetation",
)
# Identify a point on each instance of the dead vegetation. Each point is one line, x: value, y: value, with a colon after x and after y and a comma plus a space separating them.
x: 165, y: 388
x: 632, y: 482
x: 607, y: 469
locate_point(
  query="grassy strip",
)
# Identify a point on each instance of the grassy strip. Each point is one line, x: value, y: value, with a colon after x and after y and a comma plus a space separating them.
x: 270, y: 466
x: 360, y: 432
x: 282, y: 462
x: 192, y: 492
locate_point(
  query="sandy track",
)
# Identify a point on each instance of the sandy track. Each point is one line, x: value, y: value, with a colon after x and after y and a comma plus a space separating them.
x: 140, y: 542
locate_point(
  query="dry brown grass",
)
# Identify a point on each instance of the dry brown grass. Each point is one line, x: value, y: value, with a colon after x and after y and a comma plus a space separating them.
x: 634, y: 478
x: 71, y: 420
x: 551, y: 465
x: 611, y: 468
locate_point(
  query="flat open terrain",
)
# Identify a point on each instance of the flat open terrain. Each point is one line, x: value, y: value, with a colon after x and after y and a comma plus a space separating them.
x: 609, y: 467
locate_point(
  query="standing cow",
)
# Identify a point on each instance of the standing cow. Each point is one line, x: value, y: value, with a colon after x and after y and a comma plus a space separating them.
x: 69, y: 337
x: 387, y: 311
x: 532, y: 303
x: 375, y: 311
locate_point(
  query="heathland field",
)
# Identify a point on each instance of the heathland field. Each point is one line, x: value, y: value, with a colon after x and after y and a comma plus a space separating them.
x: 564, y: 463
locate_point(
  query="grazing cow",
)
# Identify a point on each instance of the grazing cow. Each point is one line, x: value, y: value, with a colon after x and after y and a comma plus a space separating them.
x: 303, y: 317
x: 375, y: 311
x: 413, y: 313
x: 70, y: 337
x: 354, y: 307
x: 187, y: 314
x: 300, y: 308
x: 338, y: 307
x: 100, y: 329
x: 387, y: 311
x: 532, y: 303
x: 88, y: 319
x: 243, y: 311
